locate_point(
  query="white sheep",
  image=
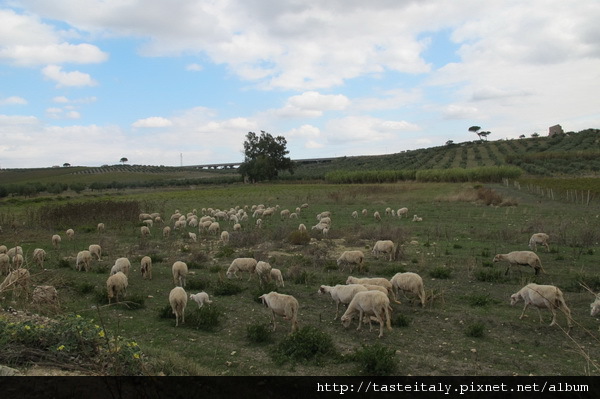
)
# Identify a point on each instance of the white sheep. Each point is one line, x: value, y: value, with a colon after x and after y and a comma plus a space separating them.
x: 166, y: 231
x: 225, y: 236
x: 56, y: 241
x: 377, y: 216
x: 84, y: 258
x: 284, y: 214
x: 15, y: 251
x: 369, y: 303
x: 341, y: 294
x: 542, y: 296
x: 541, y: 239
x: 282, y: 305
x: 70, y: 234
x: 214, y: 228
x: 45, y: 295
x: 241, y: 265
x: 237, y: 227
x: 4, y: 264
x: 116, y: 285
x: 145, y: 231
x: 402, y: 211
x: 193, y: 236
x: 100, y: 227
x: 355, y: 215
x: 351, y: 258
x: 324, y: 214
x: 383, y: 247
x: 146, y: 267
x: 263, y: 271
x: 96, y: 250
x: 277, y: 277
x: 200, y: 298
x: 3, y: 249
x: 595, y: 307
x: 39, y: 254
x: 302, y: 227
x: 180, y: 271
x: 364, y: 212
x: 375, y: 281
x: 523, y: 258
x: 17, y: 261
x: 121, y: 265
x: 17, y: 280
x: 178, y: 300
x: 417, y: 218
x: 409, y: 282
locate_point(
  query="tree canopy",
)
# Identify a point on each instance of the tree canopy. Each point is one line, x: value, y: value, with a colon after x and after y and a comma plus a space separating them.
x: 264, y: 157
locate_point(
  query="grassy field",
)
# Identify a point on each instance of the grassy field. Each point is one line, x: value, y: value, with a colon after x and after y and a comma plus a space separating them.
x: 466, y: 328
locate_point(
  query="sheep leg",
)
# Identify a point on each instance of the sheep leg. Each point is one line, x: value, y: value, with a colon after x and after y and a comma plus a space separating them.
x: 553, y: 317
x: 360, y: 318
x: 273, y: 319
x: 523, y: 313
x: 337, y: 311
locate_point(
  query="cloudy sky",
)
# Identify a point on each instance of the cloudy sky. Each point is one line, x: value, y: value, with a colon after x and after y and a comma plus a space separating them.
x: 90, y: 81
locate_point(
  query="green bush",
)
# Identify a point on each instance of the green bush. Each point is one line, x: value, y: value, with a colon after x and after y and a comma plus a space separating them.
x: 197, y: 284
x: 376, y: 360
x: 206, y: 318
x: 308, y: 344
x: 441, y: 272
x: 489, y: 275
x: 265, y: 288
x: 400, y: 321
x: 479, y: 300
x: 259, y: 333
x: 475, y: 330
x: 298, y: 237
x: 225, y: 287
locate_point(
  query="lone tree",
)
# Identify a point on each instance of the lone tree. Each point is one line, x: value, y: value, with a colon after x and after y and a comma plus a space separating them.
x: 476, y: 130
x: 123, y: 160
x: 264, y: 157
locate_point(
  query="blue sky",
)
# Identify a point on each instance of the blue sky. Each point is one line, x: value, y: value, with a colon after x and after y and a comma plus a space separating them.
x: 90, y: 81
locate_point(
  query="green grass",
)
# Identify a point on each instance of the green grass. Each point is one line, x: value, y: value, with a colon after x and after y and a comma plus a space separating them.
x: 224, y: 341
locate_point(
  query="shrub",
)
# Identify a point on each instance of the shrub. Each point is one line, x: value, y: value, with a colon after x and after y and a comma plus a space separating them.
x: 479, y: 300
x: 400, y: 321
x: 133, y: 302
x: 376, y: 360
x: 206, y: 318
x: 489, y: 275
x: 259, y: 333
x: 298, y: 237
x: 298, y: 276
x: 308, y: 344
x: 225, y: 287
x: 197, y: 284
x: 263, y: 289
x: 441, y: 272
x: 475, y: 330
x: 64, y: 263
x: 84, y: 288
x: 226, y: 251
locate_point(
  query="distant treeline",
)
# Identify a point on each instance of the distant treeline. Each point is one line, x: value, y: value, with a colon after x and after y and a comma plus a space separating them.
x: 485, y: 174
x: 31, y: 189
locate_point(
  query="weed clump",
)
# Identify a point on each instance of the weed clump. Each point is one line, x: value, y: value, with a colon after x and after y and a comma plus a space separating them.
x: 376, y: 360
x: 259, y: 333
x: 475, y: 330
x: 441, y: 272
x: 489, y: 275
x: 225, y: 288
x: 206, y: 318
x: 308, y: 344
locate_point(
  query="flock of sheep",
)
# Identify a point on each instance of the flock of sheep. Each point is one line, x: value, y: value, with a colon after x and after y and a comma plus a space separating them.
x: 367, y: 299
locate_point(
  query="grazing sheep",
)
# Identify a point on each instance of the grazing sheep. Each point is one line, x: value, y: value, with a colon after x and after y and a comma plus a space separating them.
x: 17, y: 280
x: 70, y: 234
x: 241, y: 265
x: 369, y: 303
x: 355, y: 215
x: 377, y: 216
x: 595, y: 307
x: 15, y: 251
x: 383, y: 247
x: 417, y: 218
x: 258, y: 223
x: 225, y: 237
x: 341, y: 294
x: 180, y: 271
x: 237, y: 227
x: 45, y: 295
x: 302, y: 227
x: 148, y: 222
x: 320, y: 226
x: 402, y: 211
x: 284, y: 214
x: 282, y: 305
x: 179, y: 224
x: 145, y: 231
x: 325, y: 220
x: 523, y: 258
x: 325, y: 214
x: 409, y: 282
x: 543, y: 296
x: 375, y: 281
x: 200, y: 298
x: 4, y: 264
x: 121, y: 265
x: 39, y: 255
x: 96, y: 250
x: 351, y: 258
x: 263, y: 271
x: 56, y: 241
x: 193, y: 236
x: 214, y: 228
x: 84, y: 258
x: 178, y: 300
x: 166, y: 231
x: 3, y: 248
x: 146, y: 267
x: 364, y: 212
x: 277, y: 277
x: 541, y: 239
x: 100, y: 227
x: 17, y: 261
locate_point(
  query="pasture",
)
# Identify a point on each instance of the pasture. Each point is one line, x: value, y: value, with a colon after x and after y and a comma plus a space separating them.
x: 467, y: 327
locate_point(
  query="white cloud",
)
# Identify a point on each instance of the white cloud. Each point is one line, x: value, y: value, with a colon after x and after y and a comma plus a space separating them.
x: 60, y: 99
x: 13, y: 100
x: 364, y: 129
x: 75, y: 78
x: 153, y: 121
x: 194, y: 67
